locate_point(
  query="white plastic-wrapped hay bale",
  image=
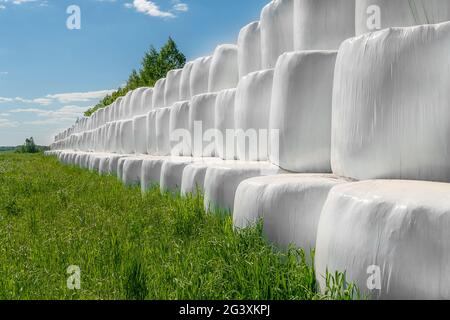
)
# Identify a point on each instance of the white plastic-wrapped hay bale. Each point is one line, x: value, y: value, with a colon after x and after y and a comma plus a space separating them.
x: 389, y: 236
x: 140, y: 134
x: 136, y: 102
x: 172, y: 173
x: 289, y: 204
x: 373, y: 15
x: 249, y: 49
x: 131, y: 172
x: 104, y: 166
x: 152, y: 146
x: 277, y: 28
x: 193, y: 178
x: 390, y: 105
x: 126, y: 137
x: 185, y: 81
x: 117, y: 107
x: 163, y: 131
x: 180, y: 142
x: 125, y: 106
x: 224, y: 124
x: 323, y: 24
x: 158, y: 94
x: 114, y: 164
x: 147, y: 100
x: 301, y: 111
x: 251, y: 115
x: 222, y: 180
x: 224, y: 72
x: 172, y: 88
x: 201, y: 122
x: 199, y: 80
x: 151, y: 172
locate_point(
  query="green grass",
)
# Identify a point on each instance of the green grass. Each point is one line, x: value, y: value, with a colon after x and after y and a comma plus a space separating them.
x: 130, y: 246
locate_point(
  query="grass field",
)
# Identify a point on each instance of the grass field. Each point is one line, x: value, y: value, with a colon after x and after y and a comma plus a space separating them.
x: 129, y: 246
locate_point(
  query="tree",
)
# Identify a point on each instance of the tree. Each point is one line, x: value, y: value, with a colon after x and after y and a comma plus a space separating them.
x: 154, y: 66
x: 29, y: 146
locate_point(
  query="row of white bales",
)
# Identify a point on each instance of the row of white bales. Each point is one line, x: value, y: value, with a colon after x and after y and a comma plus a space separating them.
x: 370, y: 108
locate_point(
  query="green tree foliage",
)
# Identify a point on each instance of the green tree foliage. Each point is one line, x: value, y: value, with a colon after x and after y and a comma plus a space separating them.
x: 154, y: 66
x: 29, y: 146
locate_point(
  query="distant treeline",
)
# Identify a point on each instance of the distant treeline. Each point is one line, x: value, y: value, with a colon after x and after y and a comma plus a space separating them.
x: 154, y: 66
x: 28, y: 147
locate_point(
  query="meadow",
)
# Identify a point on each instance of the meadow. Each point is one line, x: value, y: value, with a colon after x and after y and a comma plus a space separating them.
x: 133, y: 246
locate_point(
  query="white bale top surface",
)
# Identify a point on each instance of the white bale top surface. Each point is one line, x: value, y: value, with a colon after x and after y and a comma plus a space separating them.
x: 224, y: 72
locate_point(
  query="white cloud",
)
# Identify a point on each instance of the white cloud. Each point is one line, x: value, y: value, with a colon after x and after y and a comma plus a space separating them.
x: 6, y: 123
x: 68, y: 113
x: 152, y: 9
x: 61, y: 98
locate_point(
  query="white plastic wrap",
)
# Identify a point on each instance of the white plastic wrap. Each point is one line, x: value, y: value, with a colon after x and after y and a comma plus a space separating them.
x: 185, y: 81
x: 323, y: 24
x: 151, y: 172
x: 147, y: 100
x: 152, y: 146
x: 136, y: 102
x: 200, y: 76
x: 249, y: 49
x: 277, y: 31
x: 114, y: 163
x: 158, y: 94
x: 391, y: 105
x: 373, y: 15
x: 179, y: 129
x: 224, y: 124
x: 222, y: 180
x: 126, y: 137
x: 131, y: 173
x: 224, y: 72
x: 140, y: 134
x: 389, y: 236
x: 201, y: 120
x: 251, y: 115
x: 172, y: 88
x: 301, y: 111
x: 289, y: 204
x: 193, y: 178
x: 172, y: 173
x: 162, y: 131
x: 125, y: 106
x: 117, y: 109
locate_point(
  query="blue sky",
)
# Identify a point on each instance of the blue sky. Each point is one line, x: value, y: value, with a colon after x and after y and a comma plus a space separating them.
x: 49, y: 74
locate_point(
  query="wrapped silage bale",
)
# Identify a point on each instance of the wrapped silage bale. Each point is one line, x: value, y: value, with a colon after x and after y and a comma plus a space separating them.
x: 147, y: 100
x: 114, y: 164
x: 222, y: 180
x: 289, y: 205
x: 131, y: 172
x: 180, y: 140
x: 117, y: 138
x: 201, y: 123
x: 199, y: 79
x: 193, y: 178
x: 185, y: 81
x: 373, y: 15
x: 249, y: 49
x: 162, y: 131
x: 323, y: 24
x: 277, y: 28
x: 172, y: 173
x: 104, y: 166
x: 136, y: 102
x: 301, y: 111
x: 389, y: 236
x: 152, y: 146
x: 140, y: 134
x: 251, y: 115
x: 224, y: 72
x: 126, y: 137
x: 390, y: 105
x: 117, y: 107
x: 125, y: 106
x: 172, y: 88
x: 158, y: 94
x: 224, y: 124
x: 151, y: 172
